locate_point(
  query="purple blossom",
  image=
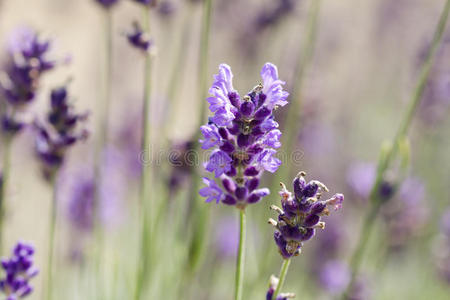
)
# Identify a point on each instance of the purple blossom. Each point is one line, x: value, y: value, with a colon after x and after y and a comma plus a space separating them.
x: 272, y: 139
x: 243, y: 134
x: 26, y: 64
x: 138, y: 38
x: 267, y: 161
x: 219, y: 163
x: 212, y: 191
x: 59, y: 133
x: 18, y: 270
x: 273, y: 87
x: 211, y: 136
x: 300, y: 214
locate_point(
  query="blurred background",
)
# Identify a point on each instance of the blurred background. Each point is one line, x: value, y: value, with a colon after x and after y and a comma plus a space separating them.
x: 355, y: 90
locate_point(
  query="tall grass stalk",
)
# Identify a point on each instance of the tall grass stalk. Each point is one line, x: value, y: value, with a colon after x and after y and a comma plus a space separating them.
x: 385, y: 160
x: 51, y: 236
x: 4, y: 185
x: 145, y: 195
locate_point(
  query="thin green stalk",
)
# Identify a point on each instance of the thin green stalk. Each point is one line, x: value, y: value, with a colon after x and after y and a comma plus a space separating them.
x: 145, y: 195
x: 51, y: 236
x: 292, y: 122
x: 239, y: 284
x: 282, y: 277
x: 199, y: 214
x: 4, y: 184
x: 102, y: 142
x: 104, y: 118
x: 384, y: 163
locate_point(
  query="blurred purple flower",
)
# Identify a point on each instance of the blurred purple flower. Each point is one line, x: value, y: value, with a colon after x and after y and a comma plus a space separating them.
x: 227, y: 237
x: 59, y: 133
x: 360, y: 178
x: 138, y: 38
x: 20, y: 81
x: 334, y: 276
x: 18, y: 270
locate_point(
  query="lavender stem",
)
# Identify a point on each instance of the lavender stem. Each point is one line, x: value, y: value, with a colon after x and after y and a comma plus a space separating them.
x: 51, y: 237
x: 241, y: 256
x: 145, y: 194
x: 4, y: 184
x: 283, y: 273
x: 385, y: 162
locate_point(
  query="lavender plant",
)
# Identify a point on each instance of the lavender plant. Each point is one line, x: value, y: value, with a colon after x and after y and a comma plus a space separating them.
x: 19, y: 270
x: 299, y: 218
x: 243, y: 136
x: 19, y: 83
x: 139, y: 40
x: 54, y: 138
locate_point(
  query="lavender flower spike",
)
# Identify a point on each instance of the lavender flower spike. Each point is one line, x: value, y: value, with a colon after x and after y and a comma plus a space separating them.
x: 138, y: 38
x: 243, y: 135
x: 273, y: 283
x: 59, y: 133
x: 18, y: 271
x: 301, y: 214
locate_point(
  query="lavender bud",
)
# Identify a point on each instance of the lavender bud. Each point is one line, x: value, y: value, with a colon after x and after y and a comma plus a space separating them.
x: 243, y: 140
x: 229, y: 200
x: 229, y: 185
x: 252, y: 184
x: 247, y: 108
x: 241, y: 192
x: 262, y: 113
x: 251, y: 171
x: 227, y: 147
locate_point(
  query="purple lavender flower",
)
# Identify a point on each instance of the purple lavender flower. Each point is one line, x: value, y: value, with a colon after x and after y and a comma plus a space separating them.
x: 300, y: 214
x: 212, y: 191
x: 138, y: 38
x: 211, y: 136
x: 20, y: 81
x: 361, y: 177
x: 107, y: 3
x: 59, y: 133
x: 273, y: 283
x: 18, y: 270
x: 407, y: 216
x: 243, y: 134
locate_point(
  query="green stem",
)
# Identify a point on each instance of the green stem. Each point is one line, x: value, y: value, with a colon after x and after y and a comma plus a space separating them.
x: 384, y: 163
x: 282, y: 277
x: 4, y: 184
x: 145, y: 194
x: 241, y: 257
x: 51, y: 237
x: 104, y: 118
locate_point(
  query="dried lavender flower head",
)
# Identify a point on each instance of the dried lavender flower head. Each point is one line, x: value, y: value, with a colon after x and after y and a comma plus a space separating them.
x: 19, y: 82
x: 59, y: 132
x: 107, y: 3
x: 19, y: 269
x: 273, y: 283
x: 300, y: 214
x: 138, y: 38
x: 243, y: 137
